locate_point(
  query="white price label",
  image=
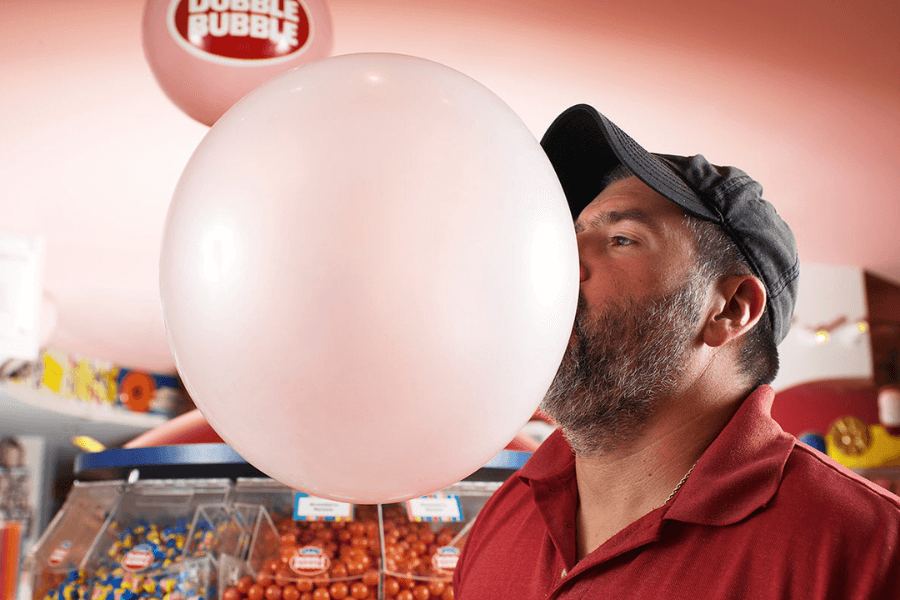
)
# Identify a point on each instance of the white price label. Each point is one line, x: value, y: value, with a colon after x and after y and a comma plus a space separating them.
x: 311, y: 508
x: 444, y: 508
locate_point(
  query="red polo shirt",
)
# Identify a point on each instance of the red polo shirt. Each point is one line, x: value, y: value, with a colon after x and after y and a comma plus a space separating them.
x: 761, y: 516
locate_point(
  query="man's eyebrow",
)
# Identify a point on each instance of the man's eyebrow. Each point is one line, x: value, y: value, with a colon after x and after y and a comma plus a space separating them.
x: 606, y: 218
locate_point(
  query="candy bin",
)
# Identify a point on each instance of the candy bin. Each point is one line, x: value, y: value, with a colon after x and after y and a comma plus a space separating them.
x: 305, y: 548
x: 218, y: 531
x: 422, y: 539
x: 54, y: 568
x: 143, y: 551
x: 220, y: 534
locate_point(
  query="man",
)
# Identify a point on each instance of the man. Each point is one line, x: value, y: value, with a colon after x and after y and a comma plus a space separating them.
x: 668, y: 478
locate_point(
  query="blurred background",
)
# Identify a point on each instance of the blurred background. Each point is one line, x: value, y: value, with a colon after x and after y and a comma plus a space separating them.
x: 802, y: 95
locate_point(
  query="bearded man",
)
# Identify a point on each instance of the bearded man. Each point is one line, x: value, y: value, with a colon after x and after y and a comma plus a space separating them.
x: 668, y: 477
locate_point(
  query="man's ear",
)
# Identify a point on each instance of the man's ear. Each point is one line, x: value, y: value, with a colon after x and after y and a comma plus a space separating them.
x: 738, y: 304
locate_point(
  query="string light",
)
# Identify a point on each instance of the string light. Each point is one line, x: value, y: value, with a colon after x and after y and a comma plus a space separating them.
x: 847, y: 332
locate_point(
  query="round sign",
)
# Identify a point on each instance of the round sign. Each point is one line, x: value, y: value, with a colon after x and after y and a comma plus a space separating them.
x: 138, y: 558
x: 207, y: 54
x: 59, y: 553
x: 137, y: 391
x: 309, y: 561
x: 445, y: 558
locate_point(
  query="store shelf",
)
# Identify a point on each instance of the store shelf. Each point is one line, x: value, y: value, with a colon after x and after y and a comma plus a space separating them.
x: 218, y: 460
x: 25, y: 411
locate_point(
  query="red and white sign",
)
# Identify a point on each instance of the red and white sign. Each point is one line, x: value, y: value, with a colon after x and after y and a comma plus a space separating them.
x: 445, y: 559
x: 138, y: 558
x: 208, y: 54
x: 240, y: 29
x: 59, y: 553
x: 310, y: 561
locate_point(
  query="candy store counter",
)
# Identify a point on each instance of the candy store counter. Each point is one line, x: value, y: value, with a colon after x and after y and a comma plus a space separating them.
x: 197, y: 522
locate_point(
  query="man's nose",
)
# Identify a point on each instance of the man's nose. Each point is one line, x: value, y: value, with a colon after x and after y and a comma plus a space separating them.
x: 584, y: 273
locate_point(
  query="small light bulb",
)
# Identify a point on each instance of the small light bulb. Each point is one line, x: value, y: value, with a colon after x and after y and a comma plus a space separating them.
x: 822, y: 337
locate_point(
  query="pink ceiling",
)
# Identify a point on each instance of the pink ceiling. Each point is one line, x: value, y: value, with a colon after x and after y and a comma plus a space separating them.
x: 803, y: 95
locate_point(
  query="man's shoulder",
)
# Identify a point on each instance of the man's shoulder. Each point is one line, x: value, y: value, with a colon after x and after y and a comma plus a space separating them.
x: 830, y: 490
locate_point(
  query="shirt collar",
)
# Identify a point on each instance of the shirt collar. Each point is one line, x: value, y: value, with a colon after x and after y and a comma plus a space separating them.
x: 552, y: 462
x: 739, y: 472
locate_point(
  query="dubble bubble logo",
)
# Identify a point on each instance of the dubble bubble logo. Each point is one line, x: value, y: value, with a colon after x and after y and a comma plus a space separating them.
x: 240, y: 30
x: 139, y: 558
x: 309, y: 560
x: 59, y: 553
x: 445, y: 559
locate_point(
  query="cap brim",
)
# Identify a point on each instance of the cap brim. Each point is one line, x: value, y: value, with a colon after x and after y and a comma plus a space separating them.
x: 583, y: 146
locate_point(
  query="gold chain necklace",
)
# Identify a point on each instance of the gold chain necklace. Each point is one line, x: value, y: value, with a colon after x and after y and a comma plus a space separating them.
x: 680, y: 483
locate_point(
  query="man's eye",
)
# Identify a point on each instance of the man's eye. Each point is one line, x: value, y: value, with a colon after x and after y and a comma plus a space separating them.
x: 619, y: 240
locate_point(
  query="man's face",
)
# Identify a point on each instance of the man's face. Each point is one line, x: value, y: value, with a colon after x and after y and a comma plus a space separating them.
x: 638, y: 314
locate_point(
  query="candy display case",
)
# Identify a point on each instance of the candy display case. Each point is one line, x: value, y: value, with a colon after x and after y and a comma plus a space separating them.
x: 423, y: 537
x: 196, y: 522
x: 127, y: 540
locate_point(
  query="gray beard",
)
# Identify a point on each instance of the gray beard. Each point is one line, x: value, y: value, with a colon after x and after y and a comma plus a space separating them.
x: 619, y: 365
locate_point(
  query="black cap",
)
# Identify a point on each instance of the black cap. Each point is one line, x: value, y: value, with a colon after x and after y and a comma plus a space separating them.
x: 584, y: 146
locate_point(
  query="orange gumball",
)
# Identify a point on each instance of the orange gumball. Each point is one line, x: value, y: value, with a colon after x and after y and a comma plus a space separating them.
x: 243, y: 584
x: 321, y: 594
x: 338, y: 570
x: 391, y: 586
x: 283, y: 577
x: 290, y: 592
x: 339, y: 590
x: 371, y: 577
x: 271, y: 565
x: 359, y: 590
x: 273, y: 592
x: 231, y: 593
x: 256, y: 592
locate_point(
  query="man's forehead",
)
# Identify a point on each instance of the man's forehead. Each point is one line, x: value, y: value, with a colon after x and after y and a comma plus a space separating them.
x: 628, y: 198
x: 604, y: 218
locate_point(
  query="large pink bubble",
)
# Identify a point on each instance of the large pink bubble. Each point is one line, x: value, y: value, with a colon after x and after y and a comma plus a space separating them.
x: 369, y: 276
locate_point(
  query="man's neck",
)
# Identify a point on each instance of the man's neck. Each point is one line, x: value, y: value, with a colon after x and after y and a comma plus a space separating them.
x: 616, y: 489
